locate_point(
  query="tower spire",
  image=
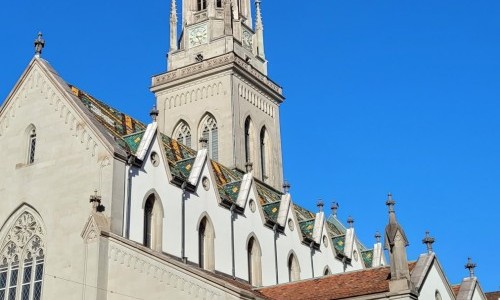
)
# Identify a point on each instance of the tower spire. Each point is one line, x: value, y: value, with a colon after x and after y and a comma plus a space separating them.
x: 259, y: 30
x: 173, y: 26
x: 396, y: 242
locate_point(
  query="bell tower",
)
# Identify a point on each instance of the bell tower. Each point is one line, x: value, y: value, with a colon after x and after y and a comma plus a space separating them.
x: 216, y: 92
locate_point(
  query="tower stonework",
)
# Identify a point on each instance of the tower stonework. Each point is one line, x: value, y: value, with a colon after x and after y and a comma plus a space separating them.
x: 216, y: 92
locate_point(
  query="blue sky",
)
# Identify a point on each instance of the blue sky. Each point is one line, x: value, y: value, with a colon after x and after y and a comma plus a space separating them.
x: 382, y: 96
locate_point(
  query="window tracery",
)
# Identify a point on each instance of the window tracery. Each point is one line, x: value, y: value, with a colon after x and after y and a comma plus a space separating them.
x: 22, y: 260
x: 31, y: 144
x: 183, y: 134
x: 210, y: 133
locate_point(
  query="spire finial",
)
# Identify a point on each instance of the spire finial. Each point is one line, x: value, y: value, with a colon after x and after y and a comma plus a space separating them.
x: 154, y: 113
x: 173, y: 26
x: 428, y: 241
x: 471, y: 266
x: 39, y: 44
x: 350, y: 221
x: 259, y: 29
x: 249, y: 166
x: 286, y: 187
x: 335, y: 208
x: 204, y: 142
x: 320, y: 205
x: 377, y: 236
x: 390, y: 202
x: 96, y: 202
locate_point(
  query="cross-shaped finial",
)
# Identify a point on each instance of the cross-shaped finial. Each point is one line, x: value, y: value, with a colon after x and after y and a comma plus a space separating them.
x: 428, y: 241
x: 320, y: 205
x: 154, y: 113
x: 249, y: 166
x: 377, y: 236
x: 39, y: 44
x: 471, y: 266
x: 204, y: 142
x: 335, y: 207
x: 350, y: 221
x: 286, y: 187
x: 390, y: 202
x: 96, y: 202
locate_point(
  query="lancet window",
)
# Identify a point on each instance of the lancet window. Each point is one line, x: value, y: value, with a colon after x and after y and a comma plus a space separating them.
x: 265, y: 154
x: 293, y: 268
x: 31, y: 144
x: 22, y: 260
x: 210, y: 133
x: 206, y: 237
x: 254, y: 262
x: 249, y: 137
x: 183, y: 134
x: 153, y: 223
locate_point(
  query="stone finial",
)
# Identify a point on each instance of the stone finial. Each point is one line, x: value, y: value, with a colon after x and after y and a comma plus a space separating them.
x: 154, y: 113
x: 96, y: 202
x: 428, y: 241
x: 335, y: 208
x: 39, y: 45
x: 377, y: 237
x: 249, y: 166
x: 390, y: 202
x: 320, y: 205
x: 259, y: 29
x: 173, y: 26
x: 286, y: 187
x: 471, y: 266
x: 350, y: 221
x: 204, y: 142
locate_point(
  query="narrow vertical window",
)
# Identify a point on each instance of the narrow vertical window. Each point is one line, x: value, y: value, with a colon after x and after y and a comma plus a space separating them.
x: 148, y: 222
x: 293, y: 268
x: 254, y: 263
x: 153, y: 223
x: 210, y: 133
x: 32, y: 146
x: 248, y: 155
x: 265, y: 154
x: 3, y: 278
x: 218, y: 3
x: 206, y: 252
x: 14, y: 274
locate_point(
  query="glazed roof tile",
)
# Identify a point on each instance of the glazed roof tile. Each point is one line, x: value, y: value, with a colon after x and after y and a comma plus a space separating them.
x: 332, y: 287
x: 128, y: 132
x: 367, y: 258
x: 339, y: 243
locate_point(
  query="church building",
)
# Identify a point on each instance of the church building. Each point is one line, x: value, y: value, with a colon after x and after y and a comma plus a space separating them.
x: 97, y: 205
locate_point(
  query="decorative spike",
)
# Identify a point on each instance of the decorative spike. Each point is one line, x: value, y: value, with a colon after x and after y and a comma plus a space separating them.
x: 154, y: 113
x: 173, y: 26
x: 249, y: 166
x: 259, y: 30
x: 39, y: 45
x: 320, y: 205
x: 350, y: 221
x: 428, y: 241
x: 471, y: 266
x: 377, y: 236
x: 286, y: 187
x: 335, y: 208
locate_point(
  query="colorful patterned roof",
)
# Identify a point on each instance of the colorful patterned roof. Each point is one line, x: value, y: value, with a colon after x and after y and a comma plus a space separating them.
x: 128, y: 132
x: 367, y: 258
x: 339, y: 244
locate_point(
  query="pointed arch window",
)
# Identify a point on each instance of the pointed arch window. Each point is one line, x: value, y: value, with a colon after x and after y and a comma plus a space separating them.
x: 249, y: 140
x: 327, y: 271
x: 31, y: 144
x: 265, y: 154
x: 254, y: 262
x: 22, y: 260
x: 153, y: 223
x: 201, y: 4
x: 206, y: 236
x: 210, y: 133
x: 293, y: 268
x: 183, y: 134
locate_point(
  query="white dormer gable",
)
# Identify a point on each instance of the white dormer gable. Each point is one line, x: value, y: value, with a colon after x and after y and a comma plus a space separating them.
x: 318, y: 227
x: 246, y: 184
x: 199, y: 162
x: 146, y: 141
x: 286, y: 200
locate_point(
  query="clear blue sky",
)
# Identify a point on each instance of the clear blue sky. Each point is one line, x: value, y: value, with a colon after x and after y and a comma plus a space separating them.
x: 382, y: 96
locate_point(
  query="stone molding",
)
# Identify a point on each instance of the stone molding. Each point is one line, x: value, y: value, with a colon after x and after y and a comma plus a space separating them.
x: 209, y: 64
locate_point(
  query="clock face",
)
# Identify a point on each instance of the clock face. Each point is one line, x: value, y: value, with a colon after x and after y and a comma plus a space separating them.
x: 198, y: 36
x: 247, y: 40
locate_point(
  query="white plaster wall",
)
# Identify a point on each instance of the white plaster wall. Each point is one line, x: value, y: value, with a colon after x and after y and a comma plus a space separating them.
x: 478, y: 294
x: 67, y: 169
x: 435, y: 282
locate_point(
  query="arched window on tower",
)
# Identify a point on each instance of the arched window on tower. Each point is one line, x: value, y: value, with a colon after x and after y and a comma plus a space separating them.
x: 31, y: 131
x: 249, y: 140
x: 183, y: 133
x: 206, y: 252
x: 293, y: 268
x: 254, y: 262
x: 265, y: 154
x: 22, y: 259
x: 153, y: 223
x: 201, y: 4
x: 210, y: 133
